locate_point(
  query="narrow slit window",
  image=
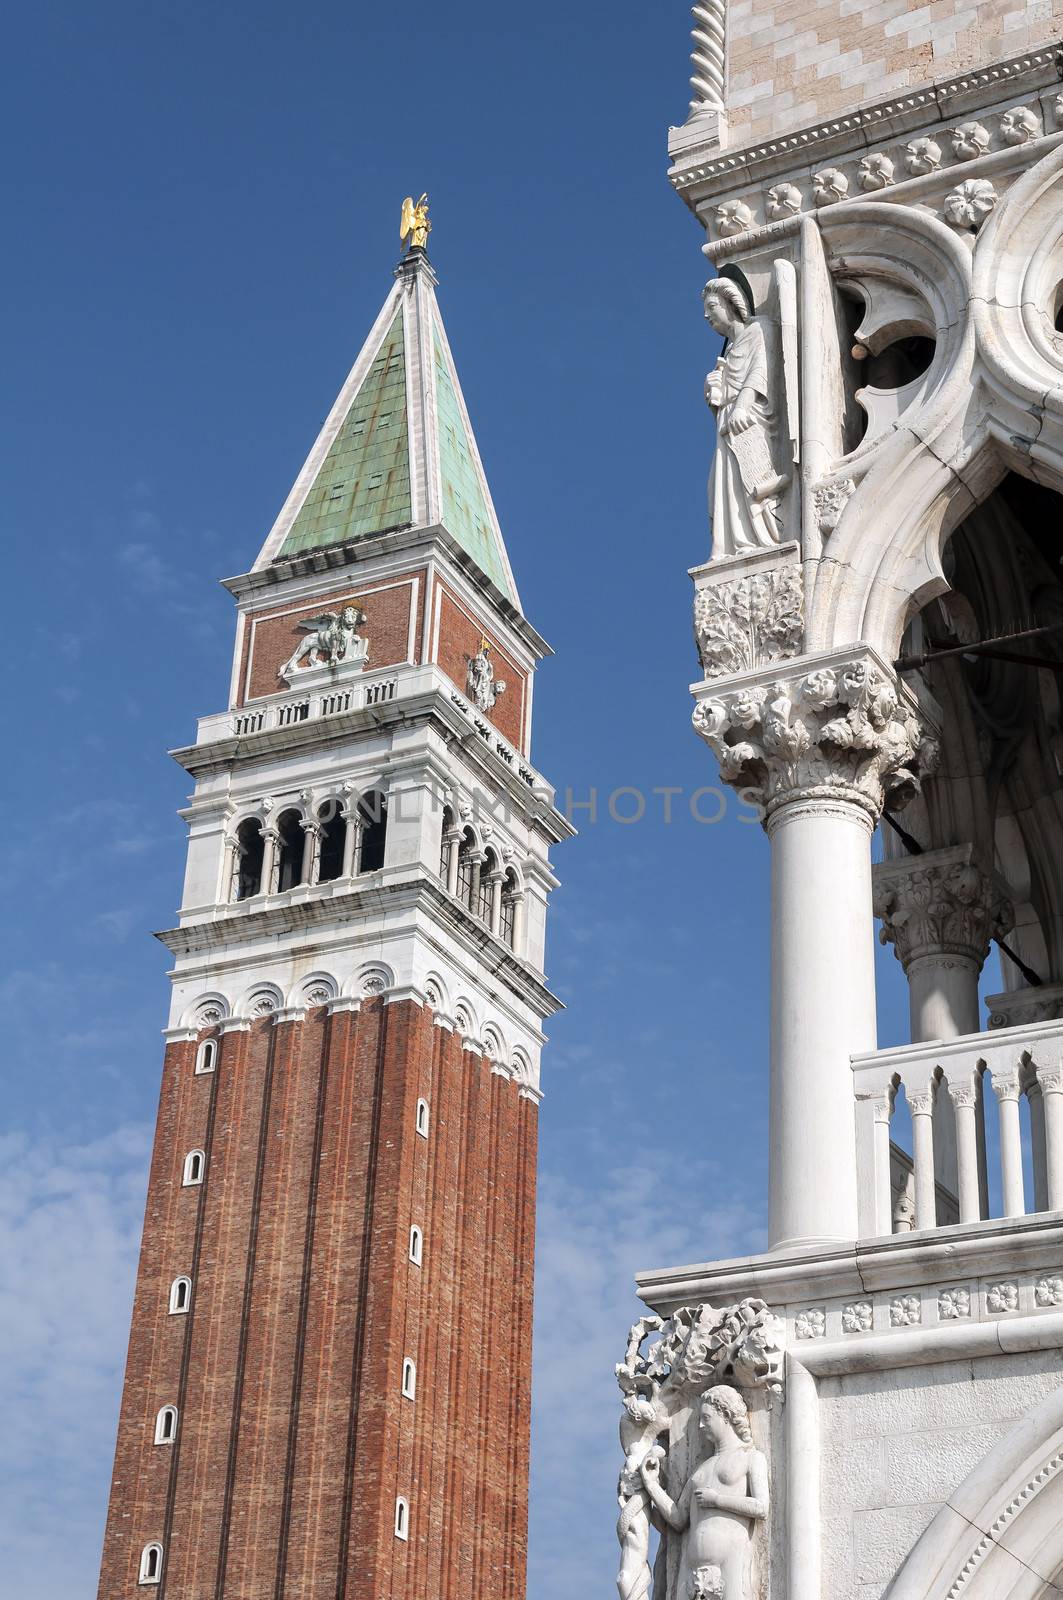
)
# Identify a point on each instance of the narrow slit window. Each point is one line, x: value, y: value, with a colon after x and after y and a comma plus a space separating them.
x: 166, y: 1425
x: 207, y: 1056
x: 195, y: 1161
x: 422, y: 1118
x: 409, y: 1379
x: 180, y: 1296
x: 402, y: 1519
x: 416, y: 1245
x: 151, y: 1564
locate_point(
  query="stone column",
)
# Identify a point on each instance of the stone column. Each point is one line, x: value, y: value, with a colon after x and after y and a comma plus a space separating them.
x: 496, y: 880
x: 940, y: 911
x: 271, y: 862
x: 820, y: 750
x: 311, y: 849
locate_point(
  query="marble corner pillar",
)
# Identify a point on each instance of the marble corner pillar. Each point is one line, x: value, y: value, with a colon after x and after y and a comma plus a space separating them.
x: 820, y: 749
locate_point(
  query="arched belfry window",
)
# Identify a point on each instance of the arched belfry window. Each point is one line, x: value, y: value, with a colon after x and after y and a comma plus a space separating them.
x: 416, y: 1245
x: 402, y: 1518
x: 446, y: 844
x: 507, y: 921
x: 373, y: 816
x: 466, y: 864
x: 247, y: 868
x: 207, y: 1056
x: 409, y: 1379
x: 290, y: 848
x: 151, y: 1564
x: 166, y: 1425
x: 421, y: 1123
x: 333, y: 825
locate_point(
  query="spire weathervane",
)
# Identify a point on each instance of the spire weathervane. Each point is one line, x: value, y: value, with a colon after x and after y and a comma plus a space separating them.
x: 415, y: 227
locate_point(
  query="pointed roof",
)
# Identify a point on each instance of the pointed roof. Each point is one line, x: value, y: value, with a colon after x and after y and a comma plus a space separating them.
x: 397, y: 449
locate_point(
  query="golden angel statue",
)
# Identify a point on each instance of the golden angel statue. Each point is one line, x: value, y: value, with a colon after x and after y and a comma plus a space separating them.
x: 415, y: 226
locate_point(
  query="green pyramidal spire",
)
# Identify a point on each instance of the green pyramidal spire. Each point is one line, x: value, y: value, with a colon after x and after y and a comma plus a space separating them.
x: 397, y: 450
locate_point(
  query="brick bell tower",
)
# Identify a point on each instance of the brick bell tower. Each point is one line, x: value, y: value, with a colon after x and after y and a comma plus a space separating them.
x: 327, y: 1386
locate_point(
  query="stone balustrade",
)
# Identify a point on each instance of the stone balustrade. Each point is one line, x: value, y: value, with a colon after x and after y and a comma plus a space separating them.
x: 946, y: 1085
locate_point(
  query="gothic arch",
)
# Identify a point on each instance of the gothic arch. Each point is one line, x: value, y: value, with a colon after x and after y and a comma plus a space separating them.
x: 1000, y: 1536
x: 991, y: 402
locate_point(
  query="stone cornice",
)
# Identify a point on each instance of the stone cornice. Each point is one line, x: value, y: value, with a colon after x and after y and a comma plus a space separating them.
x: 975, y: 1249
x: 704, y: 172
x: 433, y: 705
x: 355, y: 556
x: 410, y: 897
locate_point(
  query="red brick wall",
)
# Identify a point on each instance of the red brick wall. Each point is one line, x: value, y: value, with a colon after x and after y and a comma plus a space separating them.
x: 459, y: 639
x: 294, y: 1438
x: 271, y: 636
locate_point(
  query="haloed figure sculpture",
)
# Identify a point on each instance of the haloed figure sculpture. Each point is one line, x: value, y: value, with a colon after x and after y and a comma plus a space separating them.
x: 724, y: 1498
x: 745, y: 483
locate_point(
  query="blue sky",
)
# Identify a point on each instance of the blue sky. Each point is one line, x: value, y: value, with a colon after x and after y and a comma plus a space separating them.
x: 203, y: 209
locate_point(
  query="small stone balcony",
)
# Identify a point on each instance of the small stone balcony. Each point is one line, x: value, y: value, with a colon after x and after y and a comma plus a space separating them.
x: 972, y: 1160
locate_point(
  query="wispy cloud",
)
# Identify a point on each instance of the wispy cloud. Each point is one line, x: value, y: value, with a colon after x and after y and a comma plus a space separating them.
x: 70, y: 1219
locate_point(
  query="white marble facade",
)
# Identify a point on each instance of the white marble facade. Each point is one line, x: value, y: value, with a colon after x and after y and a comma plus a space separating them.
x: 879, y: 626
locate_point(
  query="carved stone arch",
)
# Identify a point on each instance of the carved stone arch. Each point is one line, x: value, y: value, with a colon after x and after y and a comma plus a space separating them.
x: 294, y: 802
x: 206, y: 1011
x: 261, y: 1001
x: 317, y: 989
x: 866, y: 586
x: 373, y: 979
x: 1018, y: 291
x: 436, y: 992
x: 465, y: 1018
x: 1000, y: 1536
x: 494, y: 1044
x: 521, y: 1068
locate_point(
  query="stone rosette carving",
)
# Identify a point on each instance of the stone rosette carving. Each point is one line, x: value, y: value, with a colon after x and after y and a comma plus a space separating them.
x: 830, y: 500
x: 811, y: 1324
x: 954, y: 1304
x: 1019, y: 125
x: 1048, y: 1292
x: 969, y: 141
x: 1002, y: 1297
x: 968, y: 205
x: 844, y: 731
x: 674, y: 1367
x: 875, y: 171
x: 732, y: 217
x: 784, y: 200
x: 829, y: 186
x: 940, y: 903
x: 756, y: 619
x: 858, y: 1317
x: 905, y: 1311
x: 922, y: 156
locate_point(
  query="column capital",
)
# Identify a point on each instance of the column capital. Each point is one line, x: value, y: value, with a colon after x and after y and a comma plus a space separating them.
x: 841, y: 728
x: 939, y: 904
x: 1006, y: 1086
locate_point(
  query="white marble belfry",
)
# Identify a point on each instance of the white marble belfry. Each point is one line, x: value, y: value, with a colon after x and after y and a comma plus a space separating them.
x: 873, y: 1407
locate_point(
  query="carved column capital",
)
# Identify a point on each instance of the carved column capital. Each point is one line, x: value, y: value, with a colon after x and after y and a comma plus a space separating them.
x: 1006, y: 1086
x: 941, y: 903
x: 842, y: 728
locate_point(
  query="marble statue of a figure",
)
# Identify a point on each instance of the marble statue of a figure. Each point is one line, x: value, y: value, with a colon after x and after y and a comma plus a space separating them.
x: 744, y: 484
x: 724, y: 1498
x: 332, y: 638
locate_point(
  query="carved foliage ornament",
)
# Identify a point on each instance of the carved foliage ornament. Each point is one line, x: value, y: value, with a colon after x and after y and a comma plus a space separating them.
x: 970, y: 203
x: 733, y: 216
x: 934, y: 907
x: 829, y: 185
x: 754, y: 620
x: 843, y: 731
x: 692, y: 1362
